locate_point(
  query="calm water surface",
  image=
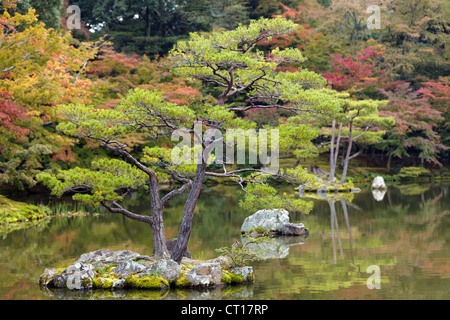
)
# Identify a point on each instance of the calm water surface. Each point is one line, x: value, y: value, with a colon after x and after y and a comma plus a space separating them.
x: 404, y: 233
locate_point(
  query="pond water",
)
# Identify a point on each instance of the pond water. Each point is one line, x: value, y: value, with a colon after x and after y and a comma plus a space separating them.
x: 401, y: 236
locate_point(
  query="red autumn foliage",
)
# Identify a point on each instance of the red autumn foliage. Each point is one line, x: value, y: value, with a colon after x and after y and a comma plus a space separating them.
x: 350, y: 73
x: 112, y: 63
x: 11, y: 114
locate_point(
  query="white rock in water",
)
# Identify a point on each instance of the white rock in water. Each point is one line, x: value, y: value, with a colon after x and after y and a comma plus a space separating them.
x: 378, y: 183
x: 266, y: 219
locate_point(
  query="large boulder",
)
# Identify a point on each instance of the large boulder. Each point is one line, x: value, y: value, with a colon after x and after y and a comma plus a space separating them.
x: 205, y: 274
x: 378, y: 184
x: 271, y: 220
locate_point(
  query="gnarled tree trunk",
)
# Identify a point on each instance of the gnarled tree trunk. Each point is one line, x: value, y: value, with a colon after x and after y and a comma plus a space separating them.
x: 188, y: 213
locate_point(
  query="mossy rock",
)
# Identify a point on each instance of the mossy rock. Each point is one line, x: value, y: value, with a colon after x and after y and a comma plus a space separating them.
x: 146, y: 282
x: 231, y: 278
x: 13, y: 211
x: 181, y: 282
x: 102, y: 283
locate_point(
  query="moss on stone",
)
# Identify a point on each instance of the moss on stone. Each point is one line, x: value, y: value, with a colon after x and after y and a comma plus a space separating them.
x: 103, y: 283
x: 182, y: 282
x: 13, y: 211
x: 146, y: 282
x: 258, y: 229
x: 231, y: 278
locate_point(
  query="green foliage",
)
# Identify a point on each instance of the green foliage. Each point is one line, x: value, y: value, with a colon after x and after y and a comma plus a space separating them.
x: 48, y: 11
x: 145, y: 27
x: 101, y: 183
x: 260, y: 196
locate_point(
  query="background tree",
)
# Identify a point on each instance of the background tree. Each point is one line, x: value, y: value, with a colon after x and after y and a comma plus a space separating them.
x: 228, y: 60
x: 47, y: 11
x: 39, y: 68
x: 150, y: 26
x: 416, y: 120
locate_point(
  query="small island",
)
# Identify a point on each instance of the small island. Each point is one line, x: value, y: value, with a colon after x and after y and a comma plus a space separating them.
x: 124, y: 269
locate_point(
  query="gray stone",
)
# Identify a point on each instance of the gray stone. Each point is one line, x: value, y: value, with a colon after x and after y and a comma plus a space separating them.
x: 106, y: 256
x: 47, y: 277
x: 119, y: 284
x: 76, y: 277
x: 128, y: 267
x: 166, y: 268
x: 246, y: 272
x: 294, y: 229
x: 355, y: 190
x: 378, y: 183
x: 205, y: 274
x: 270, y: 220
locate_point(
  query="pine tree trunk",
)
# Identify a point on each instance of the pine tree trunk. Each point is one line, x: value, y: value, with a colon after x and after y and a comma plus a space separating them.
x: 157, y: 223
x: 188, y: 213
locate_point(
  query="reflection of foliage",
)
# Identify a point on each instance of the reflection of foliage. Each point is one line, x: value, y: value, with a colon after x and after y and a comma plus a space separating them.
x: 413, y: 189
